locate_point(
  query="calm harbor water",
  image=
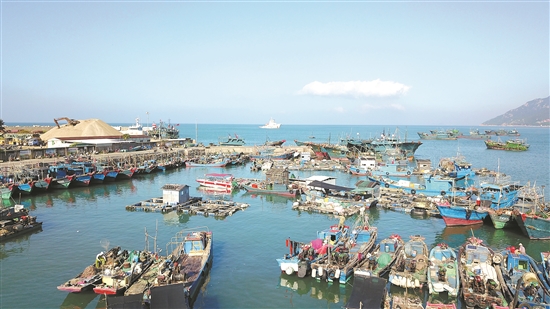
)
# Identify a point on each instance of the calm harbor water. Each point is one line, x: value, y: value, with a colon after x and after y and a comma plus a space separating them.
x: 81, y: 222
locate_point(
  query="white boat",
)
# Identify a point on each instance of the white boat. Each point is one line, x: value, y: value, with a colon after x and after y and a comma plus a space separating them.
x: 271, y: 125
x: 217, y: 181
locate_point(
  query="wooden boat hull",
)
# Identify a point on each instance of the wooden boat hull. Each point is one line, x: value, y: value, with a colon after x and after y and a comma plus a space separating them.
x: 502, y: 219
x: 36, y: 226
x: 533, y: 226
x: 80, y: 284
x: 456, y: 216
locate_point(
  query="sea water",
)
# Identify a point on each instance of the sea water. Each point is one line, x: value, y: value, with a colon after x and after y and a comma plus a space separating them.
x: 81, y: 222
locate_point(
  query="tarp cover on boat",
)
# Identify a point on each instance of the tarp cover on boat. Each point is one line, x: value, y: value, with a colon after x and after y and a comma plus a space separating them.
x: 324, y: 185
x: 125, y: 302
x: 376, y: 288
x: 169, y: 297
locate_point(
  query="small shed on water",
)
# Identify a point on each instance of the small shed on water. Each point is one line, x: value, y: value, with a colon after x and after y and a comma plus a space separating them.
x: 277, y: 176
x: 173, y: 194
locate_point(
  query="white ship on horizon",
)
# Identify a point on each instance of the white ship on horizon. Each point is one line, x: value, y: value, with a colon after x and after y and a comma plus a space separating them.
x: 271, y: 125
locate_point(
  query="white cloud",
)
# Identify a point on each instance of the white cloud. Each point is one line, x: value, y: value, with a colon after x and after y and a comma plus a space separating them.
x: 339, y: 109
x: 374, y: 88
x: 398, y: 107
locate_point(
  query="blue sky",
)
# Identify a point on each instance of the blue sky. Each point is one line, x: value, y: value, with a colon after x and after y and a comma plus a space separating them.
x: 395, y: 63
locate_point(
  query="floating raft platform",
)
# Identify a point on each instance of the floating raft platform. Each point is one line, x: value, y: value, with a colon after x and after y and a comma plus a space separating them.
x: 327, y: 208
x: 195, y: 206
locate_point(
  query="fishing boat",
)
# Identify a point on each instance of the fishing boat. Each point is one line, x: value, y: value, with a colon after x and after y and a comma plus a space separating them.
x: 164, y: 131
x: 262, y: 187
x: 15, y: 221
x: 271, y: 124
x: 443, y: 271
x: 392, y: 168
x: 231, y: 141
x: 302, y: 255
x: 390, y: 143
x: 219, y: 162
x: 116, y: 280
x: 468, y: 214
x: 217, y: 181
x: 530, y: 199
x: 5, y: 192
x: 180, y: 278
x: 525, y: 281
x: 533, y: 226
x: 378, y: 262
x: 475, y: 134
x: 511, y: 145
x: 451, y: 134
x: 274, y: 143
x: 432, y: 186
x: 92, y: 274
x: 503, y: 132
x: 338, y: 264
x: 411, y: 266
x: 480, y: 274
x: 545, y: 265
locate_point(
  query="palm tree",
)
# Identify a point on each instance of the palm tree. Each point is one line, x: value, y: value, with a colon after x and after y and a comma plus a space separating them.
x: 2, y: 127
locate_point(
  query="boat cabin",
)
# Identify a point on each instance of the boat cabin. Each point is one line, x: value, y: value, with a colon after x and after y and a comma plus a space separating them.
x: 195, y: 243
x: 476, y: 254
x: 366, y: 163
x: 333, y: 234
x: 173, y: 194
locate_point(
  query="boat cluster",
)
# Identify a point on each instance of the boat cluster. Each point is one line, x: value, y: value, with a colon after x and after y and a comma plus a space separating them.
x: 473, y: 272
x: 15, y: 221
x: 146, y: 279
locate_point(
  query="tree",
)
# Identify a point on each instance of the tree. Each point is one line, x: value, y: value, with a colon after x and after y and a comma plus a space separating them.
x: 2, y: 127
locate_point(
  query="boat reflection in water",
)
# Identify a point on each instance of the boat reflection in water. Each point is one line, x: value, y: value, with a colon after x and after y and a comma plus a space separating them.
x: 77, y: 300
x: 270, y: 198
x: 332, y: 293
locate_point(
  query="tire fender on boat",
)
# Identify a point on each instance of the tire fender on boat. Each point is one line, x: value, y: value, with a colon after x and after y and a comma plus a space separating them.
x: 387, y: 185
x: 289, y: 270
x: 443, y: 193
x: 409, y: 173
x: 497, y: 258
x: 314, y: 273
x: 413, y: 191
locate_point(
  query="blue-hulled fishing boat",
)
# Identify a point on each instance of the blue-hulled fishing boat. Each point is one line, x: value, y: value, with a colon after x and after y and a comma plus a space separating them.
x: 392, y: 168
x: 525, y: 281
x: 433, y: 185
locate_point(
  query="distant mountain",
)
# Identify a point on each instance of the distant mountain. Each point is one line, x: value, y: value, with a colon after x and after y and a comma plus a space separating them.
x: 532, y: 113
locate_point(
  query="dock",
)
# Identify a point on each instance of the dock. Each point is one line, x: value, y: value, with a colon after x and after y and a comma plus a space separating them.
x: 194, y: 206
